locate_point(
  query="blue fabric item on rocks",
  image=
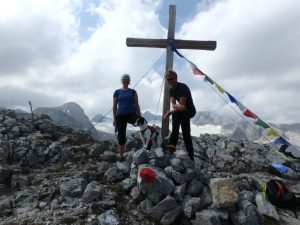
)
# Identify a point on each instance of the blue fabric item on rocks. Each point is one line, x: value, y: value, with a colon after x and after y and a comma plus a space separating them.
x: 280, y: 168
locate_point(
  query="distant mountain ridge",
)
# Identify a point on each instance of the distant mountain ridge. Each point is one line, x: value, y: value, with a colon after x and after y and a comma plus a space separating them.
x: 71, y: 114
x: 241, y: 129
x: 205, y: 117
x: 99, y: 118
x: 151, y: 117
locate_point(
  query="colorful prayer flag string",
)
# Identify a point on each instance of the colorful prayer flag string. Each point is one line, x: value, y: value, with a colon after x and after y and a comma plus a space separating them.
x: 285, y: 147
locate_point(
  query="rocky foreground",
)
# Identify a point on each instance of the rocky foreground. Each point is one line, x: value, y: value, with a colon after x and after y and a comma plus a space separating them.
x: 51, y: 174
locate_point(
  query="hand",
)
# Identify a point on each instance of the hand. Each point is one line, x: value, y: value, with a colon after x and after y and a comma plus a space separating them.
x: 114, y: 123
x: 179, y: 107
x: 166, y: 115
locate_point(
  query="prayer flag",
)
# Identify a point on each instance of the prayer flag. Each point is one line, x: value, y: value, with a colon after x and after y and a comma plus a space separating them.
x: 196, y: 71
x: 175, y: 50
x: 207, y: 78
x: 281, y: 141
x: 272, y: 132
x: 219, y: 88
x: 241, y: 106
x: 292, y: 151
x: 261, y: 123
x: 250, y: 114
x: 232, y: 99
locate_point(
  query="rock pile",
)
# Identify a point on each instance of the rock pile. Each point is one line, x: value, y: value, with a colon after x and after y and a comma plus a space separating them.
x: 222, y: 186
x: 52, y: 174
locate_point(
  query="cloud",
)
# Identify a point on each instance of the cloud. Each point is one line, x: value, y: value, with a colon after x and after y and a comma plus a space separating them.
x: 18, y: 98
x: 35, y: 35
x: 49, y: 56
x: 256, y: 56
x: 103, y: 58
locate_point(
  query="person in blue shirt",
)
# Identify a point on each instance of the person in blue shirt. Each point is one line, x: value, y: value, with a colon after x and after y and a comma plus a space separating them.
x: 126, y: 109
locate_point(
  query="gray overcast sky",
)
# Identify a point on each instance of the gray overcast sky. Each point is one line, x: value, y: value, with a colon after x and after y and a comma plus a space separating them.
x: 55, y: 51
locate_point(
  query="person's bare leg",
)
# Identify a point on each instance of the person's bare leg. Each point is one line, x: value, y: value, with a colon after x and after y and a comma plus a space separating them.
x: 121, y: 150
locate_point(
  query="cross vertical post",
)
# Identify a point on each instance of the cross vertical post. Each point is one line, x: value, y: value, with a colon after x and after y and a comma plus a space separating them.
x: 166, y: 43
x: 169, y: 66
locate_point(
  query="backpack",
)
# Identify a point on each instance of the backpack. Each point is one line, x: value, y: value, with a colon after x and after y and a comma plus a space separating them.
x: 279, y: 194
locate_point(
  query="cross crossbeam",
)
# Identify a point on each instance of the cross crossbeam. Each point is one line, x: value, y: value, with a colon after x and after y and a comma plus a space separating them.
x: 167, y: 43
x: 163, y: 43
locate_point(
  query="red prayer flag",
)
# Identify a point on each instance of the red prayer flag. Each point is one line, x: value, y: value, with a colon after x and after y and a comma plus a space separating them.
x: 196, y: 71
x: 250, y: 114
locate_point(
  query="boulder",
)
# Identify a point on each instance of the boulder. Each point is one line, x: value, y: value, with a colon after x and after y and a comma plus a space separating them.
x: 223, y: 192
x: 207, y: 217
x: 73, y: 187
x: 165, y: 205
x: 161, y: 185
x: 265, y: 207
x: 92, y: 192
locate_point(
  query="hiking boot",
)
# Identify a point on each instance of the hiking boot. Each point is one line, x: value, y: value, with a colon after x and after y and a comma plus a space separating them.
x: 171, y: 148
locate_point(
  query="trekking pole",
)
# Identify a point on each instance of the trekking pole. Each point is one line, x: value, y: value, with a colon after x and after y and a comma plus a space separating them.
x: 31, y: 113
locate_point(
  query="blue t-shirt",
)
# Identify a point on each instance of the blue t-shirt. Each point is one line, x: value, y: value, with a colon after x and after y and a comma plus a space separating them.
x: 125, y: 101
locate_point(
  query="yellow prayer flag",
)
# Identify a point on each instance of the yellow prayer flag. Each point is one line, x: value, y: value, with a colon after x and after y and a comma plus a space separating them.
x: 272, y: 132
x: 219, y: 88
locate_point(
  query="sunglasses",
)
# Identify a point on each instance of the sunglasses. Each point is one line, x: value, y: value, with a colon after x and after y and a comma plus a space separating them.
x: 170, y: 78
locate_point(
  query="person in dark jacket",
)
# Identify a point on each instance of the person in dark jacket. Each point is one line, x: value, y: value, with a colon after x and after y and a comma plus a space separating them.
x: 126, y: 109
x: 183, y: 111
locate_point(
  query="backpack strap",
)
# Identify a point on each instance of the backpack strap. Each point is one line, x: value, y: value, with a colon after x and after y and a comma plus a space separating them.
x: 264, y: 189
x: 280, y: 189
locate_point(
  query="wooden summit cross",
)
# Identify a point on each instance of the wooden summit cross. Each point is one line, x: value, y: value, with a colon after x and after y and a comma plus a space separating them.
x: 166, y: 43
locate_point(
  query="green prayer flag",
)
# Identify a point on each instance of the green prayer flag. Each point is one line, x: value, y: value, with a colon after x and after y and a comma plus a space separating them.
x: 207, y: 78
x: 261, y: 123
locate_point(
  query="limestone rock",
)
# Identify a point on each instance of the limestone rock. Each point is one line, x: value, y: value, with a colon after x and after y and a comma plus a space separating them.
x: 73, y: 187
x: 92, y: 192
x: 265, y: 207
x: 223, y: 192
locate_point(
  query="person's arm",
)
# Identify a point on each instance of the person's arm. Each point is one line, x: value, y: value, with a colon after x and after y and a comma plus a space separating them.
x: 182, y: 101
x: 181, y: 105
x: 136, y: 103
x: 183, y: 93
x: 115, y: 102
x: 173, y: 101
x: 168, y: 113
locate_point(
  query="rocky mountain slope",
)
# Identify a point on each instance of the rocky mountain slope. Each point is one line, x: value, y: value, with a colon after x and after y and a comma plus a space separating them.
x: 69, y: 114
x: 72, y: 115
x: 53, y: 174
